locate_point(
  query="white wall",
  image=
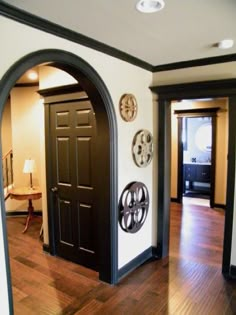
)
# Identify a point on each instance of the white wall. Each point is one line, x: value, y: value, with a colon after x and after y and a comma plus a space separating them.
x: 221, y: 144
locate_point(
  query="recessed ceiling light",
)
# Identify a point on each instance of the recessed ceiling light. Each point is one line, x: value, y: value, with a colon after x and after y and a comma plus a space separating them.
x: 150, y: 6
x: 32, y: 75
x: 226, y: 44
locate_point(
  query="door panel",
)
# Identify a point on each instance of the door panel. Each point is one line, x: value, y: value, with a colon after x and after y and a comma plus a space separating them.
x: 84, y: 164
x: 63, y: 160
x: 73, y: 140
x: 65, y: 219
x: 86, y: 217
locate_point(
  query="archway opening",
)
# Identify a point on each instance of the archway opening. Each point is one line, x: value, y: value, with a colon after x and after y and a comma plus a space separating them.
x: 107, y: 129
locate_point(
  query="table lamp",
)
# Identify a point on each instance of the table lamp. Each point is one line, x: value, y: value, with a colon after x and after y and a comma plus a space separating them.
x: 29, y: 168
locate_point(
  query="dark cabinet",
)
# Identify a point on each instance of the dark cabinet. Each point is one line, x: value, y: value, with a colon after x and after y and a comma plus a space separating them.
x: 197, y: 177
x: 203, y: 173
x: 189, y: 172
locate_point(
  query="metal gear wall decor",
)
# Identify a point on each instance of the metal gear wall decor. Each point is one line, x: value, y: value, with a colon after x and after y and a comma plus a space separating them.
x: 142, y: 148
x: 128, y: 107
x: 133, y: 207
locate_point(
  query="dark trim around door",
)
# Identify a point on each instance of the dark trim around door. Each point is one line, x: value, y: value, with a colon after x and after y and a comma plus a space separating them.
x: 164, y: 149
x: 218, y: 88
x: 180, y: 174
x: 229, y: 215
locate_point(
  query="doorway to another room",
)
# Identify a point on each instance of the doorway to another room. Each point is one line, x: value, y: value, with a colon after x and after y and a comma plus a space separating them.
x: 199, y: 143
x: 197, y: 157
x: 199, y: 150
x: 166, y: 95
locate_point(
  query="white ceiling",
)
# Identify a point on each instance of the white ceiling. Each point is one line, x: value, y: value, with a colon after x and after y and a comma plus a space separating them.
x: 184, y: 30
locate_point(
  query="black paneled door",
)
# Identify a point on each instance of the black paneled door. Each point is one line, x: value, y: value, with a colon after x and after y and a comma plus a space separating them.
x: 73, y: 140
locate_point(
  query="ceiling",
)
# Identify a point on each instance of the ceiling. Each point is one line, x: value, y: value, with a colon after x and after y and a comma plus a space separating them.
x: 24, y: 79
x: 184, y: 30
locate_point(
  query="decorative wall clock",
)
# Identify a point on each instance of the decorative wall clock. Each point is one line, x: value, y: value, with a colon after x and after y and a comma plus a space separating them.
x: 133, y: 207
x: 142, y: 148
x: 128, y: 107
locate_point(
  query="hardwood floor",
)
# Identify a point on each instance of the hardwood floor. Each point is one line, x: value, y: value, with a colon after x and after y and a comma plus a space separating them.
x: 196, y: 233
x: 188, y: 282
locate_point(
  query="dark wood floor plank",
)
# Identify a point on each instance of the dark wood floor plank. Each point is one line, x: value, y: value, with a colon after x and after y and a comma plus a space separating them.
x: 91, y: 308
x: 200, y: 231
x: 189, y: 281
x: 18, y: 294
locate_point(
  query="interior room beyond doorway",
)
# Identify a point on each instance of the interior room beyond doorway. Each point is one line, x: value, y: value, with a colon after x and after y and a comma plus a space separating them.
x: 200, y: 150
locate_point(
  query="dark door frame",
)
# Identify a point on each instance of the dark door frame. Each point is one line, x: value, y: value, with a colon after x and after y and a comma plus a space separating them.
x: 78, y: 68
x: 196, y: 112
x: 217, y: 88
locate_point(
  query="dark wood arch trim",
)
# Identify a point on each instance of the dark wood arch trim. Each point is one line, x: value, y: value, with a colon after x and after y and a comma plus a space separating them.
x: 218, y: 88
x: 78, y: 68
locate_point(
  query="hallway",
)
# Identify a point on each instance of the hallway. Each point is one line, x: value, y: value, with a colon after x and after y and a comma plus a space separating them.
x: 188, y: 282
x: 196, y: 233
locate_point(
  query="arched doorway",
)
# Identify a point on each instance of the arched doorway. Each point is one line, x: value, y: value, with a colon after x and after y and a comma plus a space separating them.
x: 106, y: 123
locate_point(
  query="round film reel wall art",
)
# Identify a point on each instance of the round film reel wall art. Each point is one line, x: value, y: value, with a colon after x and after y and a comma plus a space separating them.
x: 133, y: 207
x: 128, y: 107
x: 142, y: 148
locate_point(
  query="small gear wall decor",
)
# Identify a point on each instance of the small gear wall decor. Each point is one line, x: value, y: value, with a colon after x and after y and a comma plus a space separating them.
x: 133, y: 207
x: 128, y: 107
x: 142, y: 148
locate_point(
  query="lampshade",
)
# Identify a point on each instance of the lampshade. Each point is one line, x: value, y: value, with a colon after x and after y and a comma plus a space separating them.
x: 29, y: 166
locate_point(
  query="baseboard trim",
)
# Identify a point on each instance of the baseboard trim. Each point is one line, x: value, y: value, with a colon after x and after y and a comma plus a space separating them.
x: 22, y: 213
x: 46, y: 248
x: 157, y: 251
x: 219, y: 205
x: 150, y: 252
x: 232, y: 272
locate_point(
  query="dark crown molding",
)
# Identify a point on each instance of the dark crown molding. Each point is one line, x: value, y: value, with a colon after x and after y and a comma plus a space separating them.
x: 32, y: 20
x: 29, y: 19
x: 195, y: 63
x: 202, y: 89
